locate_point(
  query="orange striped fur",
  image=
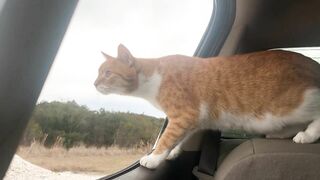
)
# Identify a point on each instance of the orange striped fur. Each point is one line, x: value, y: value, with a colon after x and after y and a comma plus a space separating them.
x: 189, y: 89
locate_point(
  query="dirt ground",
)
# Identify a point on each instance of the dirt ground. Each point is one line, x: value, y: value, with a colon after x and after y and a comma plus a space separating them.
x: 22, y: 169
x: 80, y: 162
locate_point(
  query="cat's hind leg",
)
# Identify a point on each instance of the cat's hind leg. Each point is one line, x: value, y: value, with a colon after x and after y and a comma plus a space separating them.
x: 310, y: 135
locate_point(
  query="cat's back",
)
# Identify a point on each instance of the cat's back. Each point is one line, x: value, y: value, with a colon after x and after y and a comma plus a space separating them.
x: 275, y: 66
x: 268, y: 81
x: 265, y: 70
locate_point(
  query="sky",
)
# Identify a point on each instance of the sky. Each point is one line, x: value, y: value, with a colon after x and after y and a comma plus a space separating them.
x: 149, y: 28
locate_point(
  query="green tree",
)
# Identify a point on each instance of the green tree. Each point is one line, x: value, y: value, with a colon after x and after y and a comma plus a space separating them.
x: 77, y: 124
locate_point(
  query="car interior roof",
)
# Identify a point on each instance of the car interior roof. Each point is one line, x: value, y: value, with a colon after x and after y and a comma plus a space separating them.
x: 267, y: 24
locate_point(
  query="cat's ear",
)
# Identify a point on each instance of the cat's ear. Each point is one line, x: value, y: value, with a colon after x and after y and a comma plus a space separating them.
x: 106, y: 56
x: 125, y: 56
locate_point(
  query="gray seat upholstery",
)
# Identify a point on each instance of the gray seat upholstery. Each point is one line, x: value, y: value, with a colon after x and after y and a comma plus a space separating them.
x: 262, y: 159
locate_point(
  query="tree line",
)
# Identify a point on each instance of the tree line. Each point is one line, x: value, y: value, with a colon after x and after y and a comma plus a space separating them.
x: 72, y: 124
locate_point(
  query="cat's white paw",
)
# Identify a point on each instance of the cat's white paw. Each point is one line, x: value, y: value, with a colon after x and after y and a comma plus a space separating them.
x: 174, y: 153
x: 152, y: 161
x: 303, y: 137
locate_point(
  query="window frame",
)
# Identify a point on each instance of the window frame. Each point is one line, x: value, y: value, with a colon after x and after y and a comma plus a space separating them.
x: 31, y: 32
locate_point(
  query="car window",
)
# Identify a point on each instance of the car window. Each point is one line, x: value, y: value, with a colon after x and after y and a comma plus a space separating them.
x: 312, y: 52
x: 74, y: 127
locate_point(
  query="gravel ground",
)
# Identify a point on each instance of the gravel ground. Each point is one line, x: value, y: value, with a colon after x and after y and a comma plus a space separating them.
x: 23, y: 170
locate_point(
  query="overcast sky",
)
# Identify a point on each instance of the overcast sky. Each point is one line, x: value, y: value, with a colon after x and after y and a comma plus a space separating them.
x: 149, y: 28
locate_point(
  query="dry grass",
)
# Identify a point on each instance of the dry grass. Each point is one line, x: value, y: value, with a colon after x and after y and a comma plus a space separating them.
x: 82, y: 159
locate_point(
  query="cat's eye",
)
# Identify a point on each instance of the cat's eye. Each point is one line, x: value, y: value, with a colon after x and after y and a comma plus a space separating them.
x: 107, y: 73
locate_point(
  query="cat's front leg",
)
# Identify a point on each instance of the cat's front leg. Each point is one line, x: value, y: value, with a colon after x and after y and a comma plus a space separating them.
x: 153, y: 160
x: 174, y: 133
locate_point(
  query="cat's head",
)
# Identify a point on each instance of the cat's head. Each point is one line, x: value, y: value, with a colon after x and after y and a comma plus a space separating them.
x: 117, y: 75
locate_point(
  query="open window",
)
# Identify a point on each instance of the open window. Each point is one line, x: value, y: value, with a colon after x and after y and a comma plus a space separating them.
x: 70, y: 113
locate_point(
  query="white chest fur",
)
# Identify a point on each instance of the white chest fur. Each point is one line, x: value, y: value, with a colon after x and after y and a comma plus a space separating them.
x: 148, y: 88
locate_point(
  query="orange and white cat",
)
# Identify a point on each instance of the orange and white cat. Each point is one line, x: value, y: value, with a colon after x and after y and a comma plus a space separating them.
x: 260, y: 92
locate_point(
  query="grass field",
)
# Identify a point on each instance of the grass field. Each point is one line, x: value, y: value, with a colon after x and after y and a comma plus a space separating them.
x: 81, y: 159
